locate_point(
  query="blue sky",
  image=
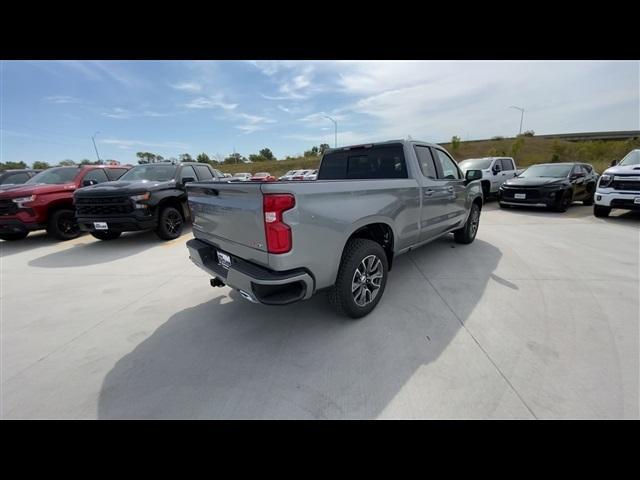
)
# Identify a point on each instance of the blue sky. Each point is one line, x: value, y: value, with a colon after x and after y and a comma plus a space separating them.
x: 50, y: 109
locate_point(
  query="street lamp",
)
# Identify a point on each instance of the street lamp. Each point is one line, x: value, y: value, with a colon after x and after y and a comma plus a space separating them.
x: 335, y: 124
x: 94, y: 146
x: 521, y: 116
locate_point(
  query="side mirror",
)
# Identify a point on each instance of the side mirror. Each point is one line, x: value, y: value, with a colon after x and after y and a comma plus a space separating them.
x: 472, y: 175
x: 88, y: 183
x: 186, y: 180
x: 613, y: 163
x: 496, y: 169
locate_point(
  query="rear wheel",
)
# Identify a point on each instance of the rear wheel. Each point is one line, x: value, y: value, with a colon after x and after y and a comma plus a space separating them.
x: 601, y: 211
x: 170, y: 224
x: 109, y: 235
x: 13, y: 236
x: 361, y: 279
x: 468, y: 233
x: 63, y: 225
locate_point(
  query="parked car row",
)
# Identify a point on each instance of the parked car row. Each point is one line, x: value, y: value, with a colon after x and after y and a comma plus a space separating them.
x: 103, y: 200
x: 267, y: 177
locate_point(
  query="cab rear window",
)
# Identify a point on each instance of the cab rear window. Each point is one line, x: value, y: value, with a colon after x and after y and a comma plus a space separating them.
x: 384, y: 161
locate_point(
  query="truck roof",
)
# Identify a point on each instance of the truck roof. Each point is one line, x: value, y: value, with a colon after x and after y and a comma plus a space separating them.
x: 386, y: 142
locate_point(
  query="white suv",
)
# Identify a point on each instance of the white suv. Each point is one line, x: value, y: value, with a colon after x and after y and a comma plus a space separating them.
x: 619, y: 186
x: 495, y: 171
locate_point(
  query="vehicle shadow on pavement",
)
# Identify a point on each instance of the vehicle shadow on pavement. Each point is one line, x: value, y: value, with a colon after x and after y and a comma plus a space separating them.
x: 228, y: 358
x: 93, y: 251
x: 34, y: 240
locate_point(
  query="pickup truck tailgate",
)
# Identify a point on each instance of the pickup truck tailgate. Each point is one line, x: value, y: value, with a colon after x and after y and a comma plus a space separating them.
x: 230, y: 215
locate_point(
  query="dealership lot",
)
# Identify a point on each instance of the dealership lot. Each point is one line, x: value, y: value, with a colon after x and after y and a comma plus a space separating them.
x: 538, y: 318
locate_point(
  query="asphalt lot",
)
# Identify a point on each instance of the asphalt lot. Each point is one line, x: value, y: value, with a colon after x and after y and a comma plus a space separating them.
x: 538, y: 318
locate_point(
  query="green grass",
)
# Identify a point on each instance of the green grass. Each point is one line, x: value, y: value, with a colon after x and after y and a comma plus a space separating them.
x: 533, y: 150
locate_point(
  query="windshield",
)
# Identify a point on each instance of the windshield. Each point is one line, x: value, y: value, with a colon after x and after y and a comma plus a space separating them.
x: 475, y: 164
x: 553, y: 171
x: 55, y: 176
x: 632, y: 158
x: 155, y: 173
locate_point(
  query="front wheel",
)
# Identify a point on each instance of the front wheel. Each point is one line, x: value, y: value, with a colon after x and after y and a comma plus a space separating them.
x: 601, y: 211
x: 468, y: 233
x: 562, y: 205
x: 109, y: 235
x: 170, y: 224
x: 13, y: 236
x: 361, y: 279
x: 63, y: 225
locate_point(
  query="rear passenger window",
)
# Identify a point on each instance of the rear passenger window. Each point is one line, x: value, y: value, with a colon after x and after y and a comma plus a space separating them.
x: 203, y: 172
x: 448, y: 169
x: 115, y: 173
x: 425, y: 159
x: 364, y: 163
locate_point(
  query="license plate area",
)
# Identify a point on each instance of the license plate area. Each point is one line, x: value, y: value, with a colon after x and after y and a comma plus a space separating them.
x: 224, y: 260
x: 520, y: 196
x: 100, y: 225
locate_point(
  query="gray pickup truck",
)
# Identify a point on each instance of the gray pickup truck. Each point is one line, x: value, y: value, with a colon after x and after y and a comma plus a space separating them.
x: 281, y: 242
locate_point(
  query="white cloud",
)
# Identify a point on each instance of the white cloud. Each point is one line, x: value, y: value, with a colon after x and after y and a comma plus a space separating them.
x: 122, y: 113
x: 61, y: 99
x: 214, y: 101
x: 187, y: 86
x: 122, y: 143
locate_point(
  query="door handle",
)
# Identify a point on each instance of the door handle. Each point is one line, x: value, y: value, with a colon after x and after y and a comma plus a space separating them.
x: 428, y: 192
x: 450, y: 188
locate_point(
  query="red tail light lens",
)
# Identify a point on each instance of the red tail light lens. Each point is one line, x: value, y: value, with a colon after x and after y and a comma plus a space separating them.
x: 278, y: 233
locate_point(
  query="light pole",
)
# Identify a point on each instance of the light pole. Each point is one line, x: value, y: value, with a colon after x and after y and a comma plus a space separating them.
x: 94, y: 146
x: 521, y: 116
x: 335, y: 125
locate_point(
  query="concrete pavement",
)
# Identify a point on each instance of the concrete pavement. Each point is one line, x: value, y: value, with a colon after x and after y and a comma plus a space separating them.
x: 538, y: 318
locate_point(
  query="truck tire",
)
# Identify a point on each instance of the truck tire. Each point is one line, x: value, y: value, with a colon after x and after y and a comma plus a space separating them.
x: 467, y: 234
x: 108, y: 235
x: 562, y: 205
x: 486, y: 189
x: 361, y: 279
x: 170, y: 224
x: 601, y: 211
x: 588, y: 199
x: 63, y: 225
x: 13, y: 236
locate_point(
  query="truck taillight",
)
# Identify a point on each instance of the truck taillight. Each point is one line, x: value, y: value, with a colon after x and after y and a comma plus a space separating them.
x: 278, y: 233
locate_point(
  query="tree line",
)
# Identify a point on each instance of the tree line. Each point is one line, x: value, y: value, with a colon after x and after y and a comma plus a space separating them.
x: 264, y: 155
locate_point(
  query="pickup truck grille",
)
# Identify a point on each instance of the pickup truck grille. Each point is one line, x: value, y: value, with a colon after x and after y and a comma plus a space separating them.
x: 630, y: 185
x: 8, y: 207
x: 98, y: 206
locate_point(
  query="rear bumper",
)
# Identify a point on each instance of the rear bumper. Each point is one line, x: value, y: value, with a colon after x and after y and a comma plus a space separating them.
x: 615, y: 199
x: 256, y: 283
x: 120, y: 224
x: 13, y: 225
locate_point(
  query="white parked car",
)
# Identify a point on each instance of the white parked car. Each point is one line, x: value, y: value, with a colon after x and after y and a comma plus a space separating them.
x: 312, y: 175
x: 495, y: 171
x: 289, y: 175
x: 619, y: 186
x: 241, y: 177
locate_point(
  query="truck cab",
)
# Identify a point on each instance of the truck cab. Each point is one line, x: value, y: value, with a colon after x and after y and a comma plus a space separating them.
x: 495, y: 171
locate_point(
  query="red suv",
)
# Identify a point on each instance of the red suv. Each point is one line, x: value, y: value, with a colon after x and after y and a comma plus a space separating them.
x: 46, y: 201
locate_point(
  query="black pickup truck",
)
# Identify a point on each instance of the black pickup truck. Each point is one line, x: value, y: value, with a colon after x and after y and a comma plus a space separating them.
x: 147, y: 197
